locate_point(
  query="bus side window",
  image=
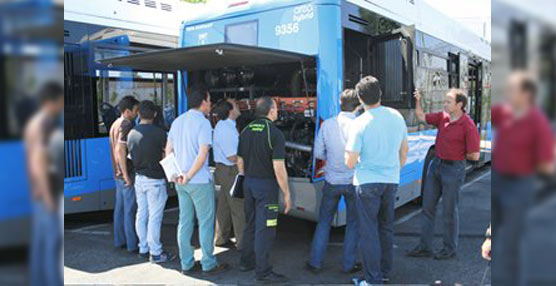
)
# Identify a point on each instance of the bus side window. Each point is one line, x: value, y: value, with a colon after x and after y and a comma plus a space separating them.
x: 112, y: 86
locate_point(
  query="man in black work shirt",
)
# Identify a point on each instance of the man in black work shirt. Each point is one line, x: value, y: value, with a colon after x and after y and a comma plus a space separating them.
x: 261, y: 158
x: 146, y: 143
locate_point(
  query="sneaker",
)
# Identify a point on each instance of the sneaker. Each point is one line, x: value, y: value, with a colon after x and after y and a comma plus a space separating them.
x: 311, y: 268
x: 272, y: 278
x: 163, y: 257
x: 144, y: 255
x: 444, y: 255
x: 356, y: 268
x: 358, y: 281
x: 385, y: 280
x: 196, y: 268
x: 223, y: 267
x: 419, y: 251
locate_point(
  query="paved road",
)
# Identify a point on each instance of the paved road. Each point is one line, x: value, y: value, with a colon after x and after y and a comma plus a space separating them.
x: 90, y: 258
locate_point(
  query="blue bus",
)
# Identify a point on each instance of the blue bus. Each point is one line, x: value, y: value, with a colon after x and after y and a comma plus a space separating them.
x: 30, y: 56
x: 94, y: 31
x: 304, y: 53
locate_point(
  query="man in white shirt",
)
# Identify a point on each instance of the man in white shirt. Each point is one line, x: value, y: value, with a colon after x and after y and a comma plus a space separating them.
x: 229, y: 210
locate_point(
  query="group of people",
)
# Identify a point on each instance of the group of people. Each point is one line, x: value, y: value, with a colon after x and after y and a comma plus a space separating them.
x: 364, y: 154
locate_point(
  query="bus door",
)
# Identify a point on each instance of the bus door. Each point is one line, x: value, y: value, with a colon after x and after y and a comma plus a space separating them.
x: 391, y: 61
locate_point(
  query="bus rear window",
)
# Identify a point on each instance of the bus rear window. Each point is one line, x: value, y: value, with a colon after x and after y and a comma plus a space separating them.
x: 243, y: 33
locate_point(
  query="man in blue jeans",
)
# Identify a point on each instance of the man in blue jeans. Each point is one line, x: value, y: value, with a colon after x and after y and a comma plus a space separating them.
x: 146, y: 143
x: 125, y: 206
x: 44, y: 139
x: 330, y: 146
x: 456, y: 141
x: 377, y: 149
x: 190, y: 138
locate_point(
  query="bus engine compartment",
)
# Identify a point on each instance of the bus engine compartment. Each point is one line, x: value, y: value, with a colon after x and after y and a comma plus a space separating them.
x: 293, y: 88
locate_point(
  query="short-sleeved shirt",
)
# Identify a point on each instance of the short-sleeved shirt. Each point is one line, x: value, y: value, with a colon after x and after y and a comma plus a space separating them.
x: 377, y: 136
x: 260, y: 143
x: 226, y: 140
x: 454, y: 139
x: 520, y: 145
x: 146, y: 144
x: 188, y: 133
x: 118, y: 135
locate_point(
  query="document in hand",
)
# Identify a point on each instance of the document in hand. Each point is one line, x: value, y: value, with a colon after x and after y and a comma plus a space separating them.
x: 171, y: 167
x: 237, y: 189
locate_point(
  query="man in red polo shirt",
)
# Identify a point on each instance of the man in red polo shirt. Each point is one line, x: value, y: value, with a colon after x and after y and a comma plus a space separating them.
x: 457, y: 140
x: 523, y: 147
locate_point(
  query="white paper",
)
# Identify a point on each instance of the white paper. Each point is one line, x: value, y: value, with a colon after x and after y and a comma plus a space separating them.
x: 234, y: 186
x: 171, y: 167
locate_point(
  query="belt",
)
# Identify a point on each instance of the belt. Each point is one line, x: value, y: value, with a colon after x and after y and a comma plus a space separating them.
x: 448, y: 162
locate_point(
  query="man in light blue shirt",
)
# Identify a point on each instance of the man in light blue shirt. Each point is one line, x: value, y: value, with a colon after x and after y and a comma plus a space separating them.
x: 230, y: 210
x: 330, y: 147
x: 190, y: 138
x: 377, y: 149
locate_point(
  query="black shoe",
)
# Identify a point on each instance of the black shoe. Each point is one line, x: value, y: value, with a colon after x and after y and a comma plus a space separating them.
x: 228, y: 244
x: 220, y: 268
x: 419, y: 252
x: 385, y: 280
x: 246, y: 268
x: 273, y: 277
x: 356, y: 268
x: 444, y: 255
x: 163, y: 257
x: 311, y: 268
x: 144, y: 255
x: 195, y: 268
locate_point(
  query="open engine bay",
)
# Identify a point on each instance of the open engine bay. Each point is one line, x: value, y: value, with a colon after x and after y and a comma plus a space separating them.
x: 291, y: 85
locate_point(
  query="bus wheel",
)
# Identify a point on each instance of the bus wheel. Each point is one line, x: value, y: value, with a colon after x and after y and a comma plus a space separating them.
x: 428, y: 159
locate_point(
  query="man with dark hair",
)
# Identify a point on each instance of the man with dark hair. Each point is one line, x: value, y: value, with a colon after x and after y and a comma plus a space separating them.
x: 43, y: 139
x: 230, y: 210
x: 261, y: 157
x: 190, y: 138
x: 125, y: 206
x: 146, y: 143
x: 330, y: 146
x: 523, y: 148
x: 456, y: 141
x: 368, y: 90
x: 377, y: 149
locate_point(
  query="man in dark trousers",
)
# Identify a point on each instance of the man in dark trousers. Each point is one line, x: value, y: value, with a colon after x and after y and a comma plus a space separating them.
x: 457, y: 140
x: 377, y: 149
x: 261, y: 158
x: 523, y: 149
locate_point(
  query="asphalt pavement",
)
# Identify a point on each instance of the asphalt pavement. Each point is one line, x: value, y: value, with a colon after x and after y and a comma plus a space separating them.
x: 90, y: 258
